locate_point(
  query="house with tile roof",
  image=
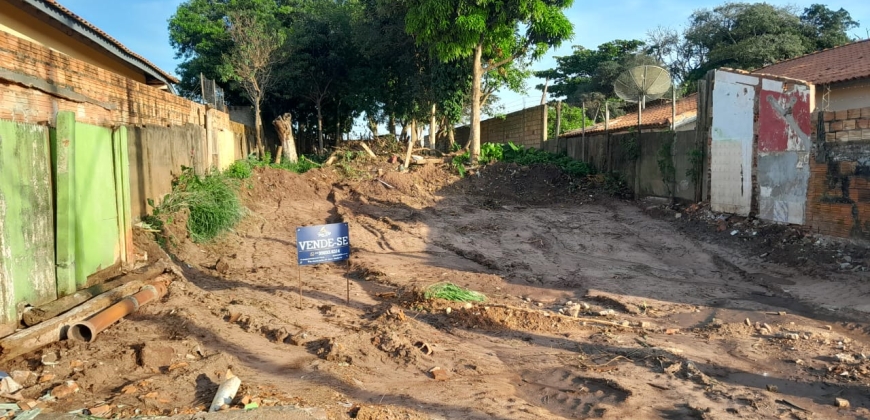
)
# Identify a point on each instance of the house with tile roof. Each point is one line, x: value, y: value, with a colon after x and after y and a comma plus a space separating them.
x: 841, y: 75
x: 49, y: 24
x: 655, y: 117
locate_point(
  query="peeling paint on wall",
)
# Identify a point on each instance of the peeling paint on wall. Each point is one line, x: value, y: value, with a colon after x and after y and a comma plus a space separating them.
x: 26, y: 219
x: 784, y: 127
x: 731, y: 151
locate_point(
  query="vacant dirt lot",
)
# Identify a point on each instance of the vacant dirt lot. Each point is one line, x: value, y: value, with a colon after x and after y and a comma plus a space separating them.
x: 597, y: 308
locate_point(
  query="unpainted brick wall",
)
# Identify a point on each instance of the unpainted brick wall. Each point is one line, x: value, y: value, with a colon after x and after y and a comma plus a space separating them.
x: 167, y: 131
x: 97, y: 96
x: 838, y: 199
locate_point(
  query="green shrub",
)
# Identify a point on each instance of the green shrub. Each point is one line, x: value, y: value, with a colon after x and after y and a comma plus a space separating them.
x: 240, y: 169
x: 211, y: 200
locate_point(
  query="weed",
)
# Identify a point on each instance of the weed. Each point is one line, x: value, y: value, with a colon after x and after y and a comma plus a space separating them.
x: 490, y: 152
x: 211, y: 200
x: 531, y: 156
x: 666, y: 165
x: 696, y: 159
x: 450, y: 291
x: 240, y: 169
x: 615, y: 184
x: 459, y: 162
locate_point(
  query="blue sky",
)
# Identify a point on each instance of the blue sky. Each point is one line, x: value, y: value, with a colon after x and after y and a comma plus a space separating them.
x: 141, y: 25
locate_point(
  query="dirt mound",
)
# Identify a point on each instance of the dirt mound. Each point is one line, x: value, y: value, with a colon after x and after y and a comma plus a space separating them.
x: 508, y: 183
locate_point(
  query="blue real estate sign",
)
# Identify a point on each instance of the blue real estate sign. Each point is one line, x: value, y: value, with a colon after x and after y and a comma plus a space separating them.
x: 322, y: 244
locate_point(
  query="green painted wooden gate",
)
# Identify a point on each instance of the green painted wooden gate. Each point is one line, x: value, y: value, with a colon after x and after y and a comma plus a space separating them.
x: 64, y: 210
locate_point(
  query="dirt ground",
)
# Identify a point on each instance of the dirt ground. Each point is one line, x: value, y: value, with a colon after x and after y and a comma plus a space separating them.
x: 596, y: 307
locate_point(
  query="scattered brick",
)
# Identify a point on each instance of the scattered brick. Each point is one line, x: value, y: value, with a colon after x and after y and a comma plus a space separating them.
x: 64, y: 390
x: 438, y: 374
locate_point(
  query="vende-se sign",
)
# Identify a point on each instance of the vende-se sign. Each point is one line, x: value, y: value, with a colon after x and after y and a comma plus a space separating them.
x: 322, y: 244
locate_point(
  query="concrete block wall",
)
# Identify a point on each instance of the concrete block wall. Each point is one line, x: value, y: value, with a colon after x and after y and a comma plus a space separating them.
x: 838, y: 198
x: 526, y: 127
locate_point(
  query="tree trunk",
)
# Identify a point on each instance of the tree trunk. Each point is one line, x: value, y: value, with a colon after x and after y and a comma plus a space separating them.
x: 284, y: 125
x: 411, y: 142
x: 258, y: 127
x: 405, y: 129
x: 373, y: 127
x: 451, y: 138
x: 391, y: 124
x: 433, y: 128
x: 475, y: 103
x: 319, y: 129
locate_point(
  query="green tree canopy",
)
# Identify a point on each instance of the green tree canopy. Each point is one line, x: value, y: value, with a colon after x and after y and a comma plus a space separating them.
x: 748, y: 36
x: 493, y: 33
x: 587, y: 76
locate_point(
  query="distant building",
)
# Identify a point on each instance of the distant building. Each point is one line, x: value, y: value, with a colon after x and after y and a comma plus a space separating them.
x: 656, y: 117
x: 47, y: 23
x: 841, y: 75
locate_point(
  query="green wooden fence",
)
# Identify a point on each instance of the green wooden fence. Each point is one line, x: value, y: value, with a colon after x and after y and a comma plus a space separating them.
x: 64, y: 210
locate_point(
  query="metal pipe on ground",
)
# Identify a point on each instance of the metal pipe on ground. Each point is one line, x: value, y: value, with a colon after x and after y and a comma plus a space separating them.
x: 55, y: 329
x: 34, y: 316
x: 87, y: 330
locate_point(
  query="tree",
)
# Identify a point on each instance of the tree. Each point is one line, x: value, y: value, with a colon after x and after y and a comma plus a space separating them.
x: 680, y: 57
x: 829, y: 28
x: 586, y: 76
x: 748, y: 36
x: 251, y: 61
x: 493, y: 33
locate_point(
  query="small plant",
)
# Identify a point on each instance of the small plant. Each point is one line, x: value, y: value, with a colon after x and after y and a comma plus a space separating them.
x: 459, y: 162
x: 630, y: 145
x: 211, y: 200
x: 696, y: 160
x: 452, y: 292
x: 240, y: 169
x: 666, y: 165
x: 490, y: 153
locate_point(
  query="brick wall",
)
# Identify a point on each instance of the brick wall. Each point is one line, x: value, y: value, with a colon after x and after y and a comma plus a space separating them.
x: 838, y: 199
x: 36, y: 82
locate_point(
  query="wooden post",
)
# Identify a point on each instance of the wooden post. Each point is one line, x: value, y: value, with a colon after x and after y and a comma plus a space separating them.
x: 558, y: 118
x: 367, y: 149
x: 638, y: 157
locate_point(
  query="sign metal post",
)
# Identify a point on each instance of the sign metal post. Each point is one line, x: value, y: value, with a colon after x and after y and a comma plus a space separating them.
x: 323, y: 244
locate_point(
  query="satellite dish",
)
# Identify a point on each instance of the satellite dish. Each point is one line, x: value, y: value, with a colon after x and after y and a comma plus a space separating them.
x: 640, y: 84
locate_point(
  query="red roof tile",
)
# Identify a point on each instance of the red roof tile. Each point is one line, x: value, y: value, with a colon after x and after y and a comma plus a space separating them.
x: 656, y: 116
x: 838, y: 64
x: 63, y: 10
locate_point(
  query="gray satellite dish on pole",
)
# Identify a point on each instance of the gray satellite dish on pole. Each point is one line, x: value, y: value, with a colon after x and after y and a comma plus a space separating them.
x: 640, y: 84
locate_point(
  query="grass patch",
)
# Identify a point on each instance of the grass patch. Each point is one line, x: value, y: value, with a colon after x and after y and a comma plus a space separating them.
x: 450, y: 291
x: 211, y: 200
x: 243, y: 169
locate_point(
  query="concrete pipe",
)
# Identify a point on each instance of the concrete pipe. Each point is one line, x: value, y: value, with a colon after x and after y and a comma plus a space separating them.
x: 87, y: 330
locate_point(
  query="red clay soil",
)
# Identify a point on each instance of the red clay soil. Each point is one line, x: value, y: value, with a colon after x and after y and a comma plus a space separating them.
x: 595, y: 309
